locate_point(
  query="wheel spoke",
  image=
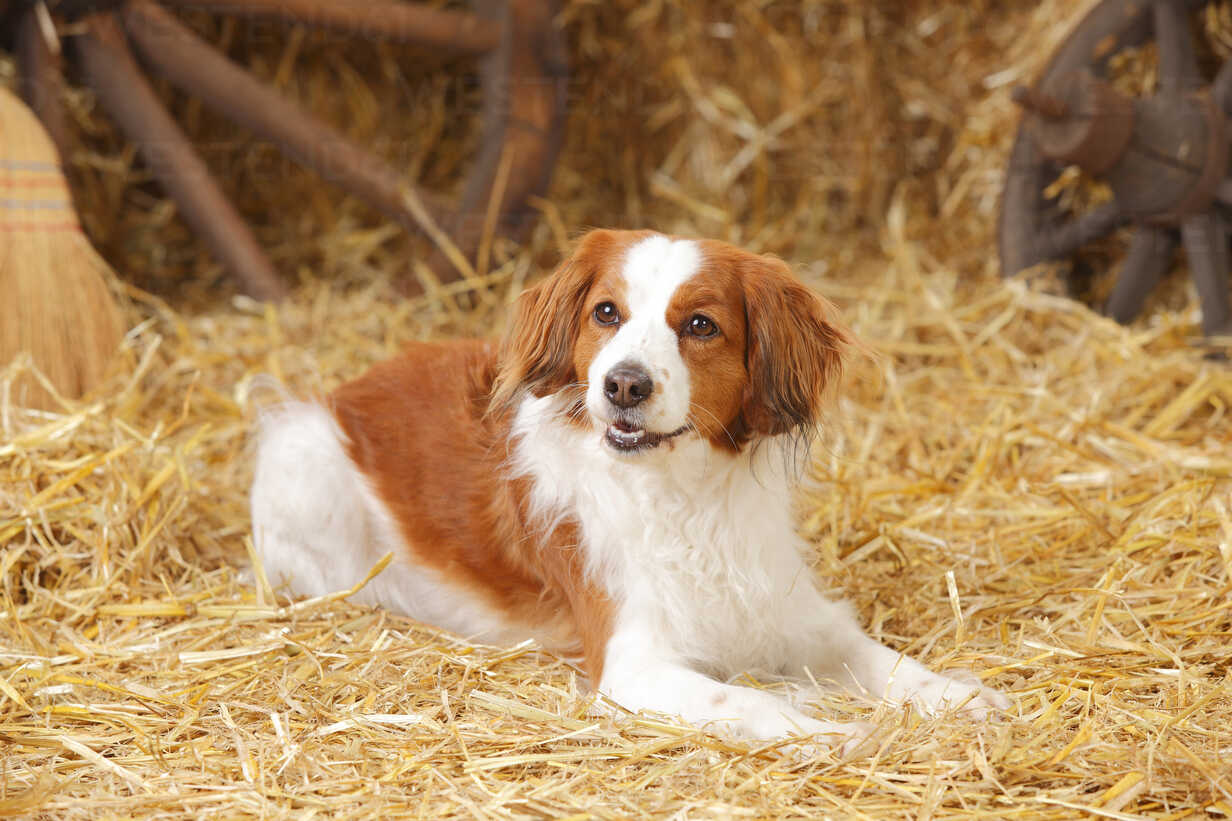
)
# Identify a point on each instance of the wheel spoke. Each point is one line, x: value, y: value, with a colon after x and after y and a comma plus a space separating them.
x: 127, y: 97
x: 1067, y: 238
x: 525, y: 85
x: 1206, y: 246
x: 189, y: 62
x: 42, y: 80
x: 455, y: 32
x: 1221, y: 89
x: 1178, y: 65
x: 1149, y: 255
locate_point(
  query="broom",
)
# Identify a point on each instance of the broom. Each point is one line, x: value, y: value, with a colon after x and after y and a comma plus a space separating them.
x: 55, y: 302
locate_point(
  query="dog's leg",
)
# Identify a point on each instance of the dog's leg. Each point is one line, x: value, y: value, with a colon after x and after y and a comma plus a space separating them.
x: 835, y: 646
x: 319, y: 528
x: 638, y: 676
x: 311, y: 527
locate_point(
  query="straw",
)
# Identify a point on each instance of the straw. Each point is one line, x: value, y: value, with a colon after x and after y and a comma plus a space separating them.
x: 1016, y: 486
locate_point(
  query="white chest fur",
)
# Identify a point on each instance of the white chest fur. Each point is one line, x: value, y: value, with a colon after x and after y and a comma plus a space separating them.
x: 695, y: 545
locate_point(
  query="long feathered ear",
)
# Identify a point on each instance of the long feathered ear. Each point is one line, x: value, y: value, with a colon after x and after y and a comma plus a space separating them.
x: 794, y: 350
x: 537, y: 352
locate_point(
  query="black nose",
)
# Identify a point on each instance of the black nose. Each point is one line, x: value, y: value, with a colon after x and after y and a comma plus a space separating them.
x: 627, y: 385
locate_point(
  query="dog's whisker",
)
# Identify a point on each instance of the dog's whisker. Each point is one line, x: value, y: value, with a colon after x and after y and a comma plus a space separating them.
x: 693, y: 406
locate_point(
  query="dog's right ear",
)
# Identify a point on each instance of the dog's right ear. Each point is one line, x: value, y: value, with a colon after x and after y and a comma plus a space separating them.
x: 537, y: 352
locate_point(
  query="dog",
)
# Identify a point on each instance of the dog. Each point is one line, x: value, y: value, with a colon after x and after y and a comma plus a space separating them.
x: 614, y: 480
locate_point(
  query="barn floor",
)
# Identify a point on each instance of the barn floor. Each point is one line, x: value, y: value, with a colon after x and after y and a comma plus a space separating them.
x: 1008, y: 484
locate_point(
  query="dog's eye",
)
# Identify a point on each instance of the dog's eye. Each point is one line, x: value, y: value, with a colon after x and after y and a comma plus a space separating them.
x: 702, y: 326
x: 606, y: 314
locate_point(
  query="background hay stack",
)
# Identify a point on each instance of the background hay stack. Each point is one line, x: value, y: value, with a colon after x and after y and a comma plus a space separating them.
x: 1017, y: 485
x: 56, y: 303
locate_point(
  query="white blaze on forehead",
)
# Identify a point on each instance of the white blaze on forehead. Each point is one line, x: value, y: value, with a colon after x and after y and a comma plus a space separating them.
x: 653, y: 270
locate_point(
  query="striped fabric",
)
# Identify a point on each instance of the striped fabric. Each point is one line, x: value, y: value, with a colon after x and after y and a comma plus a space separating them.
x: 34, y: 197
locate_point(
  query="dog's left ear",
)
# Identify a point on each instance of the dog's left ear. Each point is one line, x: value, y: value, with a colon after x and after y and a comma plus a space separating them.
x: 537, y: 352
x: 794, y: 351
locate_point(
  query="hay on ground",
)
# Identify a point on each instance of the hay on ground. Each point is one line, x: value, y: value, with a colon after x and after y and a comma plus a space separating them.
x: 1015, y: 486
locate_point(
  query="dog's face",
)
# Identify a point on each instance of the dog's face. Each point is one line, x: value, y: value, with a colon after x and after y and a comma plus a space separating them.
x: 655, y: 338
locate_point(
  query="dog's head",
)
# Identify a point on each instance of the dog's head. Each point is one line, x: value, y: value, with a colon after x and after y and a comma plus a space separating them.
x: 653, y: 338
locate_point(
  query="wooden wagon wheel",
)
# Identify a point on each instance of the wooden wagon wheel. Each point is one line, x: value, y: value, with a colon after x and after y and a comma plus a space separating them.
x: 1165, y: 157
x: 522, y: 68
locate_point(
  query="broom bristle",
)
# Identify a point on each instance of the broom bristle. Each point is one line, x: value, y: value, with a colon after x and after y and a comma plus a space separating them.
x: 54, y: 288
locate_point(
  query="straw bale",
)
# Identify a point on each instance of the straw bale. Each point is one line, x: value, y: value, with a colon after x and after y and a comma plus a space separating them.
x: 1012, y: 485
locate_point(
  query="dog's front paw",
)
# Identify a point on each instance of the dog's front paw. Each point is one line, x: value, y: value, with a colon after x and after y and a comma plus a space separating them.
x: 932, y: 694
x: 760, y: 716
x: 854, y: 739
x: 820, y: 739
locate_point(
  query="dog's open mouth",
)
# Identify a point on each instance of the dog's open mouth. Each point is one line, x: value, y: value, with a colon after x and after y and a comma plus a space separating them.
x: 628, y: 437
